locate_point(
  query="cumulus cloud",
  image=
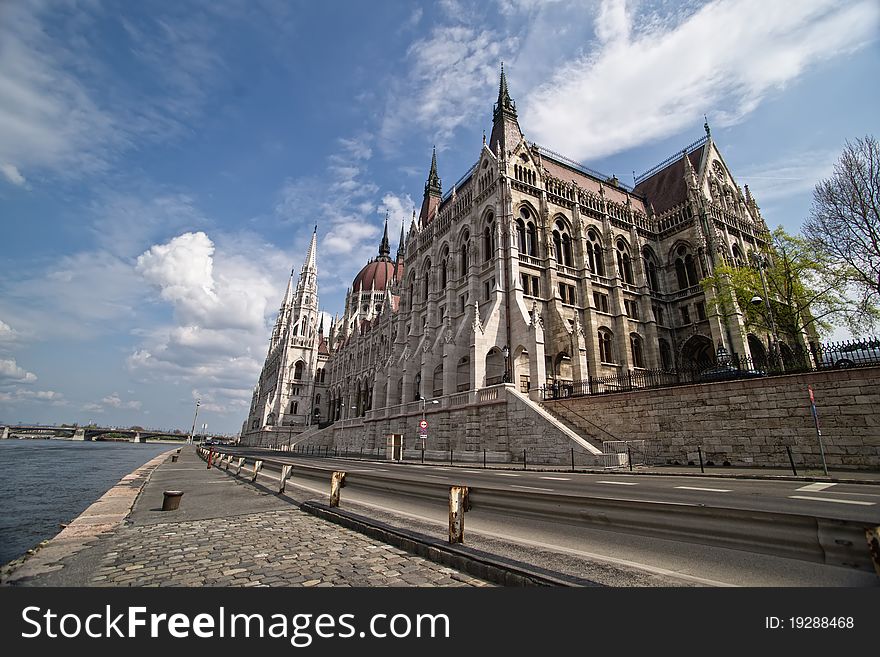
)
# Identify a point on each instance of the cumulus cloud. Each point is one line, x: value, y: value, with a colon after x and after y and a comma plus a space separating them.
x: 11, y: 373
x: 13, y: 175
x: 114, y: 401
x: 7, y: 333
x: 650, y: 76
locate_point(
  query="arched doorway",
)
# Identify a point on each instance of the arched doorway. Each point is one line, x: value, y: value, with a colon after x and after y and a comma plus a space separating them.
x: 494, y: 367
x: 521, y: 370
x: 759, y: 353
x: 697, y: 353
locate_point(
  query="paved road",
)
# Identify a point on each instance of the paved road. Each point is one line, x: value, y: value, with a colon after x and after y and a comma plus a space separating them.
x: 229, y: 533
x: 587, y: 550
x: 846, y: 501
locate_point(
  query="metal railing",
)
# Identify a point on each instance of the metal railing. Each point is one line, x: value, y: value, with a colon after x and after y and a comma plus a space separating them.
x: 815, y: 358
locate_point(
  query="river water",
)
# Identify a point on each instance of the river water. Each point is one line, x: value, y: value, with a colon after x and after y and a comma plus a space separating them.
x: 48, y: 482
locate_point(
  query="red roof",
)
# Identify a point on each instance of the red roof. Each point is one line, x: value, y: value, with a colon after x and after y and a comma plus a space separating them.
x: 375, y: 275
x: 668, y: 187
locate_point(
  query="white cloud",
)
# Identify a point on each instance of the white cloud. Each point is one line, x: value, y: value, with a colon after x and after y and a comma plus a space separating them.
x: 7, y: 333
x: 11, y: 373
x: 13, y: 175
x: 114, y: 401
x: 451, y: 72
x: 793, y: 174
x: 21, y: 394
x: 649, y: 77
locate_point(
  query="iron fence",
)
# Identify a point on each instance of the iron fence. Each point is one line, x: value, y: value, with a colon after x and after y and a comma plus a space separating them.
x: 816, y: 357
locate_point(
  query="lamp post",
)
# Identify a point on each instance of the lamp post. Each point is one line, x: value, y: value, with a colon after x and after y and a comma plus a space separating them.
x: 506, y: 352
x: 192, y: 433
x: 760, y: 261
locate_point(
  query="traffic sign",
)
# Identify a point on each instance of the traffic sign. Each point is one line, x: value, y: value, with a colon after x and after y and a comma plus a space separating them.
x: 423, y: 424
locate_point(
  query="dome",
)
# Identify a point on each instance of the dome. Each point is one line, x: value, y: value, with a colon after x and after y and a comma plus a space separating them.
x: 375, y: 275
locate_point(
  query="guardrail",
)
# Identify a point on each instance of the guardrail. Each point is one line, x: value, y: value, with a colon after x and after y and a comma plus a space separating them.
x: 817, y: 539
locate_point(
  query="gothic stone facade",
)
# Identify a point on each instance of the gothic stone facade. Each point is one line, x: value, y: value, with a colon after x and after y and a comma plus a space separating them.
x: 531, y: 270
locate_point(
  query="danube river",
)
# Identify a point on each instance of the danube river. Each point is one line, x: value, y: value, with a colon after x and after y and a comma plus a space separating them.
x: 48, y: 482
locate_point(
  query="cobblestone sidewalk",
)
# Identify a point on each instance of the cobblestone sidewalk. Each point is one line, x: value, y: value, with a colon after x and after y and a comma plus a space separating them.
x: 279, y: 548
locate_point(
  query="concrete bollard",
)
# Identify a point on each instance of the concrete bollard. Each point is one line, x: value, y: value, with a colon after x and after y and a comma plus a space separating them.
x: 171, y: 502
x: 337, y: 482
x: 174, y: 458
x: 458, y: 504
x: 258, y: 465
x: 238, y: 466
x: 285, y: 473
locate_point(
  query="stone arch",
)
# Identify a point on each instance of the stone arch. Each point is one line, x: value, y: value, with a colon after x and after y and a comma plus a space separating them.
x: 437, y: 381
x: 521, y: 368
x: 697, y: 352
x: 463, y: 374
x: 494, y: 366
x: 759, y: 353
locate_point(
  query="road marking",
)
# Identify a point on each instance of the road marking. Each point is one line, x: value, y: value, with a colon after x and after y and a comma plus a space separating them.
x: 557, y: 478
x: 815, y: 488
x: 435, y: 477
x: 710, y: 490
x: 828, y: 499
x: 506, y: 474
x: 471, y: 471
x: 619, y: 483
x: 546, y: 490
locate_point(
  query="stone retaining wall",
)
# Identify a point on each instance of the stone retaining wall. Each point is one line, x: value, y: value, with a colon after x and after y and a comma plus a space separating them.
x: 748, y: 422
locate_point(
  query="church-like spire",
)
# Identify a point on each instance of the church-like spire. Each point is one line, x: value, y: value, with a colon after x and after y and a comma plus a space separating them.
x: 400, y: 242
x: 310, y: 264
x: 384, y: 245
x: 505, y: 128
x: 505, y: 102
x: 432, y: 186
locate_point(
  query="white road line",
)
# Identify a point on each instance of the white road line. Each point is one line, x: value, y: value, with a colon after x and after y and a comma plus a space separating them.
x: 506, y: 474
x: 815, y: 488
x: 471, y: 471
x: 619, y: 483
x: 710, y: 490
x: 557, y: 478
x: 828, y: 499
x: 546, y: 490
x: 435, y: 477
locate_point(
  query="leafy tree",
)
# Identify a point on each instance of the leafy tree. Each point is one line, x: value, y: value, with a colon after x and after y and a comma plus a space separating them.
x: 844, y: 224
x: 804, y: 289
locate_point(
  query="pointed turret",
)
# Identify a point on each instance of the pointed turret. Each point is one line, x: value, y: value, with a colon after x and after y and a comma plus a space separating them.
x: 384, y: 245
x: 505, y: 127
x: 433, y: 192
x: 310, y: 263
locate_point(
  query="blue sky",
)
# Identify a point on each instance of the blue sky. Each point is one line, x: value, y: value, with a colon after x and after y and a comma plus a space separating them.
x: 163, y: 164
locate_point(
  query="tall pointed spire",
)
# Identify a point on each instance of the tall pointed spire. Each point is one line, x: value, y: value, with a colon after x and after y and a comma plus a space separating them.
x: 505, y: 128
x: 400, y: 242
x: 310, y: 263
x: 432, y: 186
x: 384, y: 245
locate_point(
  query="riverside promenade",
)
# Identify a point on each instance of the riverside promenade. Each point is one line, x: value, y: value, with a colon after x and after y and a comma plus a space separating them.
x: 227, y: 532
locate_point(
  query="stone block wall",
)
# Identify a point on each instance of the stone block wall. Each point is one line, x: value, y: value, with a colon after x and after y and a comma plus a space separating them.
x: 748, y: 422
x: 502, y: 426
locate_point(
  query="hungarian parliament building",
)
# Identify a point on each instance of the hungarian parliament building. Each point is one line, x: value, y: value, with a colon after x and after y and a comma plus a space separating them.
x: 532, y: 270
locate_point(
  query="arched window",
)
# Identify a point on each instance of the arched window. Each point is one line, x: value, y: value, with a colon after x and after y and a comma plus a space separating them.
x: 636, y: 351
x: 426, y: 279
x: 594, y: 253
x: 489, y: 238
x: 417, y: 386
x: 444, y: 267
x: 665, y: 355
x: 685, y: 269
x: 624, y: 264
x: 465, y: 261
x: 521, y: 236
x: 562, y: 243
x: 606, y: 342
x: 298, y: 370
x: 737, y: 256
x: 650, y: 270
x: 530, y: 237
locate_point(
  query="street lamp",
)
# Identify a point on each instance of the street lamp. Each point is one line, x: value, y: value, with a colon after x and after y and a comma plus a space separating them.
x: 192, y: 433
x: 760, y: 261
x: 506, y: 352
